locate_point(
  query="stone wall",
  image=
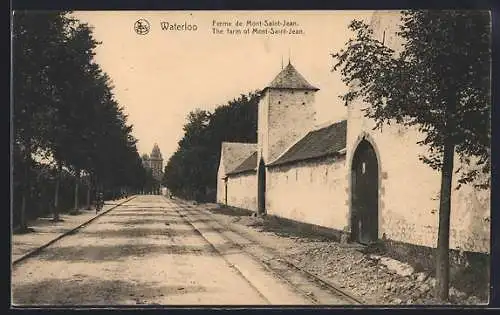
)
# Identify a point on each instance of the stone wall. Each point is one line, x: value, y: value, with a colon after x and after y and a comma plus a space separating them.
x: 285, y: 115
x: 291, y: 116
x: 312, y: 192
x: 242, y: 190
x: 409, y: 190
x: 262, y: 127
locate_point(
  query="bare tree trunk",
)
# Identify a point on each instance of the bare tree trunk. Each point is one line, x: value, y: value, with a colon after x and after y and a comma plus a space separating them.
x: 23, y: 226
x: 23, y: 222
x: 88, y: 195
x: 76, y: 191
x: 56, y: 197
x: 443, y: 246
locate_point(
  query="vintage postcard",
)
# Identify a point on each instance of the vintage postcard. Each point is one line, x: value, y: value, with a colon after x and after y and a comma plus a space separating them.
x: 251, y: 158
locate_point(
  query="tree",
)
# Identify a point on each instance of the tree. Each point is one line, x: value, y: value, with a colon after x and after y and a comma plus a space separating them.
x: 440, y: 84
x: 78, y: 84
x: 191, y: 171
x: 65, y: 111
x: 36, y: 38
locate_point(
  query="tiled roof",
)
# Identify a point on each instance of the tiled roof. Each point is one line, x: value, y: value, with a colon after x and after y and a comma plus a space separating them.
x: 290, y: 78
x: 234, y: 153
x: 316, y: 143
x: 249, y: 164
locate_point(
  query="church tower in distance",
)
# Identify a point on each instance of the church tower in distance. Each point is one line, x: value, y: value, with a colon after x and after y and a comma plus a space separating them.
x: 156, y: 162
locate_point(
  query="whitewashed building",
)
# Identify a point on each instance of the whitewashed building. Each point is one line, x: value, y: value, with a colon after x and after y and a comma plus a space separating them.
x: 314, y: 175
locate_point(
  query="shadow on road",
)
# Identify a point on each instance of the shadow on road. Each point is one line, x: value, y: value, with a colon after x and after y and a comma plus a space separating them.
x: 135, y: 232
x: 174, y: 220
x: 136, y: 221
x: 86, y: 290
x: 141, y: 214
x: 96, y: 253
x: 121, y: 251
x: 234, y: 212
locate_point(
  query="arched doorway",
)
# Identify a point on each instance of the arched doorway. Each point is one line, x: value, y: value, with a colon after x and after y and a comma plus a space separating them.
x: 364, y: 194
x: 261, y: 195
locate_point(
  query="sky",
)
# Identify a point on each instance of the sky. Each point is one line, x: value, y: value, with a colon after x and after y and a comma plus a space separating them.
x: 161, y: 76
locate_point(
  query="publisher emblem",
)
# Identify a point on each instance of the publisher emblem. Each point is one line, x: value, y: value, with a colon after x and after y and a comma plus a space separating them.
x: 142, y: 27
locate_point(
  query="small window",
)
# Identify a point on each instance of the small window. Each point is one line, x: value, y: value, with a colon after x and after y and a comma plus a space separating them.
x: 303, y: 103
x: 363, y: 166
x: 279, y: 102
x: 306, y: 92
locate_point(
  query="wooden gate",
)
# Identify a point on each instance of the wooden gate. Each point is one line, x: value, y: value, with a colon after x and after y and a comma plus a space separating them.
x: 261, y: 196
x: 364, y: 194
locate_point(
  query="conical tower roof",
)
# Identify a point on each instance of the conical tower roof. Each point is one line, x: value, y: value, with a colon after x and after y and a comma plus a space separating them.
x: 290, y: 78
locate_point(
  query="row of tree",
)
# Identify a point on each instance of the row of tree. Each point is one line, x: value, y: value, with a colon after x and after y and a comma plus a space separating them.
x: 67, y: 125
x: 191, y: 172
x: 440, y: 83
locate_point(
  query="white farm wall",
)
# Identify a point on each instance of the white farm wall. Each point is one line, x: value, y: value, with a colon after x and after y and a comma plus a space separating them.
x: 409, y: 190
x: 242, y: 191
x: 309, y: 192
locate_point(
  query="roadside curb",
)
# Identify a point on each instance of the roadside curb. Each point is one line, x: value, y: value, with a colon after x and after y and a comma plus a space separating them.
x: 71, y: 231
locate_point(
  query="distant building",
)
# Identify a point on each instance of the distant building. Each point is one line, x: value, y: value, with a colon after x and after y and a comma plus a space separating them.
x: 154, y: 161
x: 145, y: 160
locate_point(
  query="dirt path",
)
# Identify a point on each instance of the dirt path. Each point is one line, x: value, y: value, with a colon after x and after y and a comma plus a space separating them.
x: 139, y: 253
x: 45, y: 231
x: 153, y: 251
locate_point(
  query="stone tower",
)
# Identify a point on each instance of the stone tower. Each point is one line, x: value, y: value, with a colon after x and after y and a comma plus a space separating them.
x: 286, y: 113
x: 156, y: 162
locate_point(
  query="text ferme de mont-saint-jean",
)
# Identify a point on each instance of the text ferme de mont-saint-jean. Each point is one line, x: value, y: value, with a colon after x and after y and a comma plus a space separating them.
x: 258, y: 27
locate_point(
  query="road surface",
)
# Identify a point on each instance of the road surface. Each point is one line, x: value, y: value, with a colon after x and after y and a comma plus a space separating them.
x: 150, y: 250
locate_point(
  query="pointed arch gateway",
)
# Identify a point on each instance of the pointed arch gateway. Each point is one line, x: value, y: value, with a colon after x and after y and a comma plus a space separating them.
x: 364, y: 194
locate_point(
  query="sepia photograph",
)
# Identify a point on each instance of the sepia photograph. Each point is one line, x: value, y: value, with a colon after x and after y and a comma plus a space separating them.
x: 250, y: 158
